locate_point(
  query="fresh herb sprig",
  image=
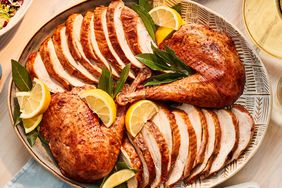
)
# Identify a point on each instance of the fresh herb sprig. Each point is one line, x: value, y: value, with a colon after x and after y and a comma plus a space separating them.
x: 167, y: 62
x: 147, y: 5
x: 23, y: 82
x: 107, y: 83
x: 147, y: 19
x: 177, y: 7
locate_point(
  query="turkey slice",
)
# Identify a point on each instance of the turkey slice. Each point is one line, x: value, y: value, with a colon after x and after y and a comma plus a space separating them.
x: 90, y: 45
x: 149, y: 171
x: 129, y: 20
x: 37, y: 69
x: 54, y: 67
x: 246, y: 129
x: 212, y: 145
x: 159, y: 151
x: 135, y: 32
x: 166, y: 123
x: 73, y: 31
x: 216, y: 131
x: 229, y: 139
x: 199, y: 123
x: 105, y: 45
x: 187, y: 149
x: 117, y: 35
x: 62, y: 50
x: 130, y: 156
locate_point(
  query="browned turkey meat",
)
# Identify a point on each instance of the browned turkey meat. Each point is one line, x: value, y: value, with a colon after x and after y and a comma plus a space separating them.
x: 84, y: 149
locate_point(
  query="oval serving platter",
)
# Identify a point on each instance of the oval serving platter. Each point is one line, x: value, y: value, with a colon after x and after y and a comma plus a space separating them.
x: 256, y: 97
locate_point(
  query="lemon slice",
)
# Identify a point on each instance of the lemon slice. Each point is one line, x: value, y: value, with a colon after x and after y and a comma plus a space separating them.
x: 138, y: 114
x: 162, y: 33
x: 32, y: 123
x: 166, y: 17
x: 22, y: 97
x: 118, y: 178
x: 102, y: 104
x: 36, y: 103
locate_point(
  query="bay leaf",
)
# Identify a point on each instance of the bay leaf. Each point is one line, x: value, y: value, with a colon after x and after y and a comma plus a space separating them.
x: 147, y: 20
x: 21, y: 76
x: 123, y: 77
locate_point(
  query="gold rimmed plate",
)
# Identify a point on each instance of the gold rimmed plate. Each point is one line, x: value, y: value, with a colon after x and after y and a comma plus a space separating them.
x: 256, y: 97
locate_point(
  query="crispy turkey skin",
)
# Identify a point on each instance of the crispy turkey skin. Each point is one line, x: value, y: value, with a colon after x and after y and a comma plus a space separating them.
x: 84, y: 149
x: 219, y: 78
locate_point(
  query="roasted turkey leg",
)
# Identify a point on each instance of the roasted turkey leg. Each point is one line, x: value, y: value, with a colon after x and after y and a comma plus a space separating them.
x: 219, y: 78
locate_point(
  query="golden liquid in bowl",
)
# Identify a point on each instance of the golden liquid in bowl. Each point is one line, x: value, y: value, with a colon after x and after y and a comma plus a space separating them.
x: 263, y: 20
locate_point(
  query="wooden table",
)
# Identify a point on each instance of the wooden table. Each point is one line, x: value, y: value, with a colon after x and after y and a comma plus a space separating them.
x: 264, y: 168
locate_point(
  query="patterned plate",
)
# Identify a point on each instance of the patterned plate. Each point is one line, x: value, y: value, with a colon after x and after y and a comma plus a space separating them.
x: 256, y: 97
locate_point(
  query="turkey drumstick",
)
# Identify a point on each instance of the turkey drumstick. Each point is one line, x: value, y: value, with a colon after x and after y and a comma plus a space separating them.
x: 219, y: 78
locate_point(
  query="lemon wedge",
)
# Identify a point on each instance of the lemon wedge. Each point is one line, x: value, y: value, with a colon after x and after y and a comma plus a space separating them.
x: 22, y: 97
x: 102, y: 104
x: 166, y: 17
x: 32, y: 123
x: 34, y: 102
x: 162, y: 33
x: 118, y: 178
x: 138, y: 114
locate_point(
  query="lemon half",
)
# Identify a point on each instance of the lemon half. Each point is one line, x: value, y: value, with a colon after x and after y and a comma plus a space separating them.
x: 138, y: 114
x: 34, y: 102
x: 166, y: 17
x: 102, y: 104
x: 118, y: 178
x: 32, y: 123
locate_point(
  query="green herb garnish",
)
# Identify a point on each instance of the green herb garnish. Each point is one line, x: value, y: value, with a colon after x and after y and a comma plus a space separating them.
x: 146, y: 18
x: 123, y: 77
x: 146, y: 4
x: 17, y: 112
x: 107, y: 83
x: 32, y: 136
x: 167, y: 62
x: 21, y: 76
x: 23, y: 82
x: 177, y: 7
x: 164, y: 78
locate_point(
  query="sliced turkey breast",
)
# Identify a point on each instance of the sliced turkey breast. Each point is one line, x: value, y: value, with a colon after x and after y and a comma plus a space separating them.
x: 130, y: 156
x: 73, y: 31
x: 199, y: 123
x: 144, y: 39
x: 54, y: 67
x: 187, y: 149
x: 117, y: 35
x: 246, y: 129
x: 214, y: 137
x: 135, y: 32
x: 212, y: 145
x: 63, y: 53
x: 229, y: 139
x: 166, y: 123
x: 105, y: 45
x: 149, y: 171
x: 90, y: 45
x: 36, y: 68
x: 129, y: 19
x: 159, y: 151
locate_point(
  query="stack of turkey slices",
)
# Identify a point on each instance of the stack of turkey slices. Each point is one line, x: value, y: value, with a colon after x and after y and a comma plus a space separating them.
x: 108, y: 37
x: 186, y: 143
